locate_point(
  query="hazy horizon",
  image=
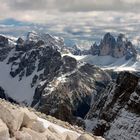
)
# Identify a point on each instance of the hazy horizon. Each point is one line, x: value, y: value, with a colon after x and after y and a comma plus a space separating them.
x: 78, y: 21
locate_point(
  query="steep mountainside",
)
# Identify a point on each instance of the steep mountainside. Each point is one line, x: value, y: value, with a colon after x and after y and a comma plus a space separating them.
x: 116, y: 113
x: 34, y: 73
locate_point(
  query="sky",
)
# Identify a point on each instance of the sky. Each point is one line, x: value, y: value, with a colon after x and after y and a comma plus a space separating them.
x: 82, y: 21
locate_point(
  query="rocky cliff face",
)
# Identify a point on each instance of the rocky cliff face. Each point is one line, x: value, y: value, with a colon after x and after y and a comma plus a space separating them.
x: 109, y: 45
x: 35, y: 74
x: 70, y: 94
x: 116, y: 112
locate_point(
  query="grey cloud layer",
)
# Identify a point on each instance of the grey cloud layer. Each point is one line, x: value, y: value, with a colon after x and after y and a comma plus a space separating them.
x: 73, y: 19
x: 40, y: 10
x: 73, y: 5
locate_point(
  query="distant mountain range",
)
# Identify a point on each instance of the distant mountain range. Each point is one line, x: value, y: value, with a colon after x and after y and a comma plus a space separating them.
x: 42, y: 72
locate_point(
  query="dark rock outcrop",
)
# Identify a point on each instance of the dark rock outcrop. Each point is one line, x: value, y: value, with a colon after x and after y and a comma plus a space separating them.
x: 70, y: 93
x: 3, y: 41
x: 4, y: 48
x: 111, y: 109
x: 109, y: 45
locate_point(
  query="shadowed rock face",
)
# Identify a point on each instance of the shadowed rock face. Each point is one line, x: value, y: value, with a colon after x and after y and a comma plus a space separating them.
x: 70, y: 94
x: 110, y: 111
x: 116, y: 47
x: 4, y: 47
x: 3, y: 41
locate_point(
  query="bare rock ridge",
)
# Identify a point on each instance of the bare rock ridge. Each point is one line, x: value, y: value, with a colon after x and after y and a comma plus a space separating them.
x: 116, y: 113
x: 17, y: 123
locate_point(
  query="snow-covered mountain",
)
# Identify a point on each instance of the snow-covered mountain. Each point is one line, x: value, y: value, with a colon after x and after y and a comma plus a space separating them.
x: 111, y: 46
x: 41, y: 72
x: 118, y: 54
x: 34, y: 73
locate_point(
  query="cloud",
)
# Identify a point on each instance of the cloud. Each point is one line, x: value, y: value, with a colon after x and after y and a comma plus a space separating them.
x: 41, y: 10
x: 74, y: 19
x: 74, y: 5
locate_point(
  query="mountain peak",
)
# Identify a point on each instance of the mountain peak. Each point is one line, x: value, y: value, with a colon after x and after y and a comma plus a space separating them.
x: 115, y: 47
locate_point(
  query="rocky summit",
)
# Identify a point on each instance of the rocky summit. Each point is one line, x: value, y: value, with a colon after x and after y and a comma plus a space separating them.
x: 109, y: 45
x: 18, y: 123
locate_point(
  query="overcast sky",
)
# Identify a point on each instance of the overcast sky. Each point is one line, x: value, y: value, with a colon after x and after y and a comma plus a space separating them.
x: 31, y: 10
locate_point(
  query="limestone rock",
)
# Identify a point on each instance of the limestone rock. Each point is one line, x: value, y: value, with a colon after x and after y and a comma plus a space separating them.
x: 35, y: 135
x: 4, y: 132
x: 11, y: 115
x: 21, y: 135
x: 70, y: 136
x: 53, y: 130
x: 86, y: 137
x: 52, y: 136
x: 29, y: 117
x: 37, y: 126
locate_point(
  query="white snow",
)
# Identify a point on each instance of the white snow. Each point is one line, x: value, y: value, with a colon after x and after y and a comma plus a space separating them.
x: 77, y: 57
x: 55, y: 126
x: 20, y: 91
x: 108, y: 62
x: 90, y: 124
x: 125, y: 127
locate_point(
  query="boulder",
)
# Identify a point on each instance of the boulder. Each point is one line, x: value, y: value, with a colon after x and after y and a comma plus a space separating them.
x: 70, y: 136
x: 21, y: 135
x: 53, y: 130
x: 4, y: 132
x: 29, y: 117
x: 30, y: 121
x: 37, y: 126
x: 11, y: 115
x: 52, y: 136
x: 35, y: 135
x: 86, y: 136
